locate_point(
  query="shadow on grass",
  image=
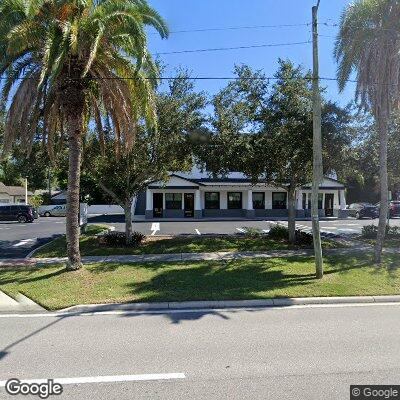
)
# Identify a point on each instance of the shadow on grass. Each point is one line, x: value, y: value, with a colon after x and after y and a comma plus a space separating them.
x: 15, y: 276
x: 230, y: 280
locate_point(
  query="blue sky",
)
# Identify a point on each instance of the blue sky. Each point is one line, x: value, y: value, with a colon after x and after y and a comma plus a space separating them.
x: 196, y: 14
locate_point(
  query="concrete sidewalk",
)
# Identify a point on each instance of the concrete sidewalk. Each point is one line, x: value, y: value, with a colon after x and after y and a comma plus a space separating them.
x: 20, y: 303
x: 178, y: 257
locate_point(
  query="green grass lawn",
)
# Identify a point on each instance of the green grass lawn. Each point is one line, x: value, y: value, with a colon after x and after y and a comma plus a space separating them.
x: 180, y: 244
x: 54, y: 288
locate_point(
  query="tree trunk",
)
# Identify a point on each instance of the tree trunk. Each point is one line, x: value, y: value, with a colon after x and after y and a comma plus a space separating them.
x: 383, y: 125
x: 292, y: 214
x: 74, y: 174
x: 128, y: 220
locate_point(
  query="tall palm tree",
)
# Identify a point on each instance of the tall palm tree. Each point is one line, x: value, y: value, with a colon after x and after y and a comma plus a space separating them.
x: 71, y: 61
x: 368, y: 44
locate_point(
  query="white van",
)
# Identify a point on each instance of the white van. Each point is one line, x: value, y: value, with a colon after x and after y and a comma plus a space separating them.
x: 53, y: 211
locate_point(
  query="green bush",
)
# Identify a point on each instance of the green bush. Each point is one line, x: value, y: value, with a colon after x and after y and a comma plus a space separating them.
x: 253, y: 232
x: 371, y: 231
x: 303, y: 237
x: 118, y: 239
x: 279, y: 232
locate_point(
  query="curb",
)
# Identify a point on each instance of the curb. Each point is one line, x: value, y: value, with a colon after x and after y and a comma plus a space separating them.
x: 265, y: 303
x: 25, y: 301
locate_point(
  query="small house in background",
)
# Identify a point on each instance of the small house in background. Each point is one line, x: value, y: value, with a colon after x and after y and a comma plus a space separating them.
x: 59, y: 198
x: 13, y: 194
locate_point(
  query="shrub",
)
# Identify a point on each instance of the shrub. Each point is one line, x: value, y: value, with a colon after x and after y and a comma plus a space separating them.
x: 253, y: 232
x: 279, y: 232
x: 394, y: 231
x: 303, y: 238
x: 371, y: 231
x: 118, y: 239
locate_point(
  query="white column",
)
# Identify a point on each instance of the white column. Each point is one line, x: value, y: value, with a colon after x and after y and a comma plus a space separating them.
x: 268, y: 200
x: 149, y: 200
x: 342, y: 200
x: 249, y: 199
x: 197, y: 203
x: 299, y: 200
x: 223, y: 200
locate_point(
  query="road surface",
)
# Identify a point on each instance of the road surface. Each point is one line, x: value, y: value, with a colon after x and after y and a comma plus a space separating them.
x: 17, y: 240
x: 278, y: 353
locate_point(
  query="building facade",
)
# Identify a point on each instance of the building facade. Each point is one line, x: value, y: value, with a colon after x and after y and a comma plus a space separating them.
x: 13, y: 194
x: 199, y: 196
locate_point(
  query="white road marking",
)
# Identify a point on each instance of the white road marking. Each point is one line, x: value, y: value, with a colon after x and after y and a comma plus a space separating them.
x: 24, y: 242
x: 241, y: 230
x: 196, y: 310
x: 197, y: 231
x: 155, y: 226
x: 106, y: 379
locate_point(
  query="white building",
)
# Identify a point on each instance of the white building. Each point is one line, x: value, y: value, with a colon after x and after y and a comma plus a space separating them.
x: 196, y: 195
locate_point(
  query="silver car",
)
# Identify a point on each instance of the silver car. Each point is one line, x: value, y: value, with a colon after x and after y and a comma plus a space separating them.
x: 55, y: 211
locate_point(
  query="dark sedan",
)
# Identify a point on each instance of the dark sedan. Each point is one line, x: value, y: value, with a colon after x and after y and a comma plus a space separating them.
x: 363, y: 210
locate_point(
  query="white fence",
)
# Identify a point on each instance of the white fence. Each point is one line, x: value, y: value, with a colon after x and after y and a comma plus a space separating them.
x: 107, y: 209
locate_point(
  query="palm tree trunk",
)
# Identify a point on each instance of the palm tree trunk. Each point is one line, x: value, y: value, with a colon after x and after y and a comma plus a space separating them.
x: 292, y: 214
x: 128, y: 220
x: 383, y: 126
x: 74, y: 174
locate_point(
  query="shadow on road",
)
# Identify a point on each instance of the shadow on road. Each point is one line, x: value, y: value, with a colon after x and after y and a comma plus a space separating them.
x: 111, y: 218
x: 6, y: 350
x: 12, y: 249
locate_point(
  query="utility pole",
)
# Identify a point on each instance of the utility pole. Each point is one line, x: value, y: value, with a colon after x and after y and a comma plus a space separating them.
x: 317, y: 148
x: 26, y: 190
x: 49, y: 182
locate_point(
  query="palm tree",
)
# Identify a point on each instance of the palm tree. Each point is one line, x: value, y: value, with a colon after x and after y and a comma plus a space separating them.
x: 368, y: 44
x: 71, y: 61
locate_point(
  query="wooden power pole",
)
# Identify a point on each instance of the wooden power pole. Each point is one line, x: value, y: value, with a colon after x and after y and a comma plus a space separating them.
x: 317, y: 148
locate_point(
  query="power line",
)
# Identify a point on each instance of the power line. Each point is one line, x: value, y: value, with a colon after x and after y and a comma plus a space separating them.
x: 233, y: 48
x: 202, y: 78
x: 234, y: 28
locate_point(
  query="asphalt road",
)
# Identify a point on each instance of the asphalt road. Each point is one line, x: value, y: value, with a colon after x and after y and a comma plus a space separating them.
x: 290, y: 353
x: 348, y: 226
x: 17, y: 240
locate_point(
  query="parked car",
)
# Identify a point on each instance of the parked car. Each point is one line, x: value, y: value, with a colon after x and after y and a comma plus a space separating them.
x: 53, y: 211
x: 394, y: 208
x: 35, y: 213
x: 16, y: 212
x: 363, y: 210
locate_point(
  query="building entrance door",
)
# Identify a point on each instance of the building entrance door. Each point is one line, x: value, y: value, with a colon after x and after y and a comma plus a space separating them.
x: 157, y: 205
x: 189, y: 205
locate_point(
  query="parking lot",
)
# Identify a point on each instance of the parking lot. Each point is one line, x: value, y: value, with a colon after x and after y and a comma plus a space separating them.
x: 18, y: 240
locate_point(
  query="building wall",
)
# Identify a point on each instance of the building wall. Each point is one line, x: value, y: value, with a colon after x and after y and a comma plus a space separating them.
x: 224, y: 212
x: 5, y: 198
